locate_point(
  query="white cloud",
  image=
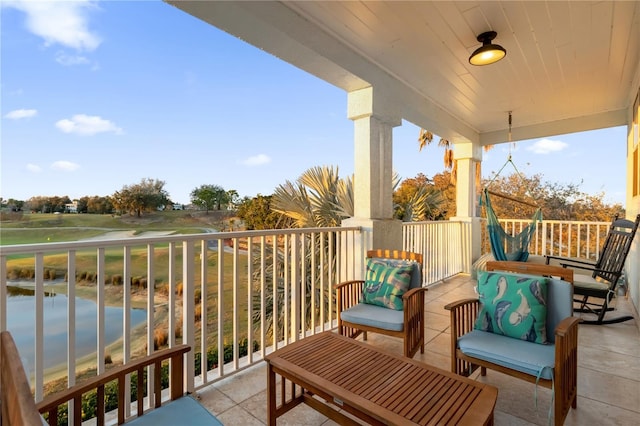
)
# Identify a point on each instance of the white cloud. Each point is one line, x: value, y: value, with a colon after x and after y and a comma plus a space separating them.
x: 547, y: 146
x: 69, y: 60
x: 21, y: 113
x: 256, y: 160
x: 33, y: 168
x: 87, y: 125
x: 59, y: 22
x: 65, y: 166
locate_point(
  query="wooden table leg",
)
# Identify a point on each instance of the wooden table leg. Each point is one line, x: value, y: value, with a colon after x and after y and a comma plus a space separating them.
x: 271, y: 395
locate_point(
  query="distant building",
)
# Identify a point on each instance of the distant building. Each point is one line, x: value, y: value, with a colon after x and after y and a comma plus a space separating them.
x: 71, y: 207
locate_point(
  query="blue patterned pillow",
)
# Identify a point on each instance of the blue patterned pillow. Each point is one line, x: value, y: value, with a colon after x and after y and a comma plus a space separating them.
x: 513, y: 306
x: 385, y: 284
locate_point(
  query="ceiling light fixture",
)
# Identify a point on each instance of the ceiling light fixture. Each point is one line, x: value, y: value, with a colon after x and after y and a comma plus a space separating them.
x: 488, y: 53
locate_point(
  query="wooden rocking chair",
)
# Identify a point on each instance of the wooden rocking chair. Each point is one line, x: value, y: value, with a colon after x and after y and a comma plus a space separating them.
x: 606, y: 272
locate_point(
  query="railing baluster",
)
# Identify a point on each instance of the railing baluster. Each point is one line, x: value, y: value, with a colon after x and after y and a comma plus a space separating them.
x: 221, y: 311
x: 188, y: 323
x: 39, y: 326
x: 249, y: 284
x: 71, y: 325
x: 204, y: 332
x: 236, y: 304
x: 126, y: 322
x: 100, y: 302
x: 150, y: 313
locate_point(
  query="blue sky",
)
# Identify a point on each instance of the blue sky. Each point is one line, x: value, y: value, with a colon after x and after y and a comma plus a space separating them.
x: 98, y: 95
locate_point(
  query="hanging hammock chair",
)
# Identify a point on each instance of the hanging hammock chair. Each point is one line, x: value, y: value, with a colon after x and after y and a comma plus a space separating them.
x: 505, y: 246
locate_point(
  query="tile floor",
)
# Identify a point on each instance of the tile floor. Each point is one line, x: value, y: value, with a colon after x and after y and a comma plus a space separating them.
x: 608, y: 375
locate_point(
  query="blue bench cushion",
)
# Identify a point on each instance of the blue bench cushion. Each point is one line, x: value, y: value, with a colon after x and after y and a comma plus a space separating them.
x: 182, y: 411
x: 530, y: 358
x: 374, y: 316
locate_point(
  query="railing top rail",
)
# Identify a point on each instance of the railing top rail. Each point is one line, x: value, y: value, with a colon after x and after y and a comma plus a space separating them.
x: 137, y: 241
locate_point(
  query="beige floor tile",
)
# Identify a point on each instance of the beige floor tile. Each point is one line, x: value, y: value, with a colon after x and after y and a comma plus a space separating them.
x: 609, y: 362
x: 609, y: 389
x: 240, y: 417
x: 505, y: 419
x: 437, y: 321
x: 590, y: 412
x: 214, y: 400
x: 244, y: 384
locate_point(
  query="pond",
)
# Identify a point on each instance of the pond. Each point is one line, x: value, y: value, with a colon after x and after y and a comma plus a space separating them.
x: 21, y: 323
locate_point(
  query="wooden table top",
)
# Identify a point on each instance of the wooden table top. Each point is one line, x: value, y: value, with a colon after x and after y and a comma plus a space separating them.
x: 388, y: 387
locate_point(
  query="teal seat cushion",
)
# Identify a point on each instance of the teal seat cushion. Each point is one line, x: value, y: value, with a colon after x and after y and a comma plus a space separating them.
x: 529, y: 358
x: 182, y: 411
x: 513, y: 305
x: 374, y: 316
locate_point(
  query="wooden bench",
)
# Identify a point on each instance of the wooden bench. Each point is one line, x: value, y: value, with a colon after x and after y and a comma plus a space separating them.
x: 19, y: 408
x: 507, y: 355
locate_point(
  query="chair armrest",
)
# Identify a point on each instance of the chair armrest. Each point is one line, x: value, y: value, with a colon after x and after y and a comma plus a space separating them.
x: 566, y: 327
x: 413, y: 303
x: 348, y: 294
x: 414, y: 292
x: 51, y: 403
x: 341, y: 285
x: 567, y: 261
x: 463, y: 316
x: 566, y: 361
x: 459, y: 303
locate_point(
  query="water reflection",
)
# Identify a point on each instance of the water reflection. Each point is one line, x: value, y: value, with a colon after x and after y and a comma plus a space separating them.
x: 21, y: 323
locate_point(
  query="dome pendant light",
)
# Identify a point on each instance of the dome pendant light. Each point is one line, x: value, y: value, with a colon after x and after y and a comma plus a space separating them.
x: 488, y: 53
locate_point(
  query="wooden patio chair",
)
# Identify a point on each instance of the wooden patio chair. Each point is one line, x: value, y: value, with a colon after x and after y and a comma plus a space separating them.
x: 356, y: 317
x: 20, y: 409
x: 605, y: 272
x: 553, y: 364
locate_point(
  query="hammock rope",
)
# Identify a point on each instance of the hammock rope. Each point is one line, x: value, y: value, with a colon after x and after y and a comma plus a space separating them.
x: 503, y: 245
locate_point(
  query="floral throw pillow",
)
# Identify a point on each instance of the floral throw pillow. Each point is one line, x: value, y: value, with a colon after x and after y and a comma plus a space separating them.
x: 385, y: 284
x: 513, y: 306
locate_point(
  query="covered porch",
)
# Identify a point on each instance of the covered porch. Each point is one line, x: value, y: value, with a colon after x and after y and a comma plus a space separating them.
x: 569, y: 67
x: 608, y: 374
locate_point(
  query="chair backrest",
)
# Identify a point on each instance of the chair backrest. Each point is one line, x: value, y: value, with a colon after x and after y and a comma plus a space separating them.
x: 415, y: 258
x: 18, y: 405
x: 565, y: 274
x: 615, y: 250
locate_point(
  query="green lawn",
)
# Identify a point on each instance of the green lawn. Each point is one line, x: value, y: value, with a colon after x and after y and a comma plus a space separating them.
x: 43, y: 228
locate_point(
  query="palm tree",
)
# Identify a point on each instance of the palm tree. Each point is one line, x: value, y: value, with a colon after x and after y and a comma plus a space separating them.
x: 319, y: 198
x: 426, y: 137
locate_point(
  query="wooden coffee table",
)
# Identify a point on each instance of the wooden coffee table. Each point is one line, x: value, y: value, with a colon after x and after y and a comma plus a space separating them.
x: 330, y: 373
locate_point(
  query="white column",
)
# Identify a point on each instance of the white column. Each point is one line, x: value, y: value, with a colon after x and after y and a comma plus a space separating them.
x: 468, y: 156
x: 373, y: 170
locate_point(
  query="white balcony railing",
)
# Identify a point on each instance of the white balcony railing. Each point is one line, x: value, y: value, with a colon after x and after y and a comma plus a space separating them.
x: 222, y: 302
x: 560, y: 238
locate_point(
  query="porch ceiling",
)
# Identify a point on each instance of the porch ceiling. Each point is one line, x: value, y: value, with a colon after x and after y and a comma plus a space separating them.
x: 570, y: 65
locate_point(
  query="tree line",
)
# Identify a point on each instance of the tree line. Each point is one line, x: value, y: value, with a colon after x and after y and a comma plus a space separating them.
x: 135, y: 199
x: 321, y: 198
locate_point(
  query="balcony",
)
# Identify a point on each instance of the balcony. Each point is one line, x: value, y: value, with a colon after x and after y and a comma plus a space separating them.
x: 608, y: 380
x: 232, y: 288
